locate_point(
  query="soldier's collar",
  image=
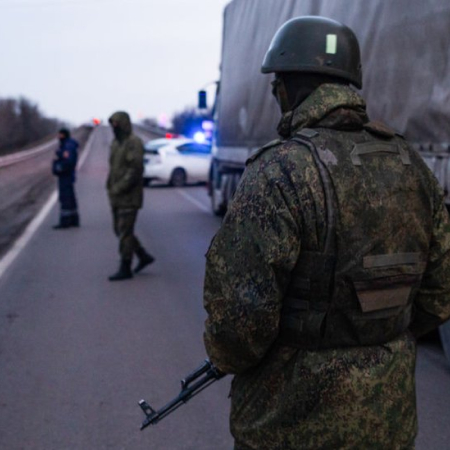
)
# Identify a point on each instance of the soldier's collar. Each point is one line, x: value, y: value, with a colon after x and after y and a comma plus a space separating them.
x: 325, y: 99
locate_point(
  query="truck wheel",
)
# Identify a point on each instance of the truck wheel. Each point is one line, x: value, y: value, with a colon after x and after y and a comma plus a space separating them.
x: 219, y: 198
x: 217, y: 203
x: 178, y: 178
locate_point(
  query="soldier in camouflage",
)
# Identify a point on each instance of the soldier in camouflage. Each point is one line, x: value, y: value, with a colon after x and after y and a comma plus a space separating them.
x: 125, y: 191
x: 333, y: 257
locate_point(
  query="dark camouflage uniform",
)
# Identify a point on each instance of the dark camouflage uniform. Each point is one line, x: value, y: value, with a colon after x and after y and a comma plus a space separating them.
x: 125, y: 185
x: 360, y: 397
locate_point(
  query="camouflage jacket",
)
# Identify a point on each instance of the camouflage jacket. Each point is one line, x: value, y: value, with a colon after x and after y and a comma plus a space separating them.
x: 287, y: 398
x: 126, y: 166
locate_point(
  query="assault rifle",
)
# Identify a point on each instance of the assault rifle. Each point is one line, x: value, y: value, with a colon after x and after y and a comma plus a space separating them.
x: 192, y: 385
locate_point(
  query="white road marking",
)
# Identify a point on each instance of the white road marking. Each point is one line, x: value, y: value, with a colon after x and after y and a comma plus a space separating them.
x: 32, y: 227
x: 194, y: 201
x: 23, y: 240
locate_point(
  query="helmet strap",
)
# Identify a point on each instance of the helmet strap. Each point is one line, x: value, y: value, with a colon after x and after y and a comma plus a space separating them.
x: 284, y: 98
x: 281, y: 95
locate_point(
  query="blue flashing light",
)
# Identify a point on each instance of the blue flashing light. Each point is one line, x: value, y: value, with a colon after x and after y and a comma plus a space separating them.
x: 199, y: 137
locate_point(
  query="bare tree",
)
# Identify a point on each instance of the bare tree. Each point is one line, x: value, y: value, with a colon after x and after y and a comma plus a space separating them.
x: 22, y: 123
x: 188, y: 120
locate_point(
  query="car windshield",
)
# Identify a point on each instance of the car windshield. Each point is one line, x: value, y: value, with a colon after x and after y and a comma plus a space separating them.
x: 154, y: 146
x: 194, y: 148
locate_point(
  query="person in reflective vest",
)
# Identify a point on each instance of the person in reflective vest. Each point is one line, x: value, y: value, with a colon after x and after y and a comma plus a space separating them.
x: 64, y: 167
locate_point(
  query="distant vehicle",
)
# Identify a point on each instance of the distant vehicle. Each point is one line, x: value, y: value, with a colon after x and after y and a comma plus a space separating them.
x: 176, y: 162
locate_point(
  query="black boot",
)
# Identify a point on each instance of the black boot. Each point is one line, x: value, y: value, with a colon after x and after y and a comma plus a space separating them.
x: 144, y: 260
x: 64, y: 222
x: 124, y: 272
x: 75, y: 220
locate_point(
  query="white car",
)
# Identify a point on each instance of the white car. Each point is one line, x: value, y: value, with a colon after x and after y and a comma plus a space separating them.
x: 176, y: 161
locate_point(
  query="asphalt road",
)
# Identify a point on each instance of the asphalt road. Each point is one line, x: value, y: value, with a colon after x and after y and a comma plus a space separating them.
x: 77, y: 352
x: 25, y: 185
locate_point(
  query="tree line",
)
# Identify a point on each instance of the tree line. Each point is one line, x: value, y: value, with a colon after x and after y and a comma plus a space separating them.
x: 22, y: 123
x: 190, y: 119
x: 183, y: 122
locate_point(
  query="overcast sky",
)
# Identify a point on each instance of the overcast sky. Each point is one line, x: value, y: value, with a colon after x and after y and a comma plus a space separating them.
x: 79, y: 59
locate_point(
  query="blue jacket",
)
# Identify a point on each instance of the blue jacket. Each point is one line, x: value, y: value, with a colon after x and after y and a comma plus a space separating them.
x: 66, y: 159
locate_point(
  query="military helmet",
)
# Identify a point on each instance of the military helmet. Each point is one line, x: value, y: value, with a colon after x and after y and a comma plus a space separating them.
x: 315, y: 44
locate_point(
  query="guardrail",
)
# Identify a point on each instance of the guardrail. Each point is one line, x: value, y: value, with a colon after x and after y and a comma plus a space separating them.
x: 149, y: 129
x: 432, y: 148
x: 25, y: 154
x: 39, y: 148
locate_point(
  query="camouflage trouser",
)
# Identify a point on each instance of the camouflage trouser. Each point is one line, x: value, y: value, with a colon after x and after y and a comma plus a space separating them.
x: 124, y: 220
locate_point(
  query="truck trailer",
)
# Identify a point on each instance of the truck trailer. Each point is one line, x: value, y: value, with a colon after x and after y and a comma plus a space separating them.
x: 405, y: 51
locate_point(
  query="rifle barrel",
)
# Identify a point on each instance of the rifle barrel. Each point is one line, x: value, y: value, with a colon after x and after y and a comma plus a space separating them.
x: 209, y: 374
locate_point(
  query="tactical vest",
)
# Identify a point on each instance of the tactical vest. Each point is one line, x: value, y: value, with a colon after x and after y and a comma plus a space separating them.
x: 359, y: 287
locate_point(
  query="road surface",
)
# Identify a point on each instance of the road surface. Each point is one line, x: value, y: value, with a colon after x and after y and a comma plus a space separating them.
x: 26, y: 182
x: 77, y: 352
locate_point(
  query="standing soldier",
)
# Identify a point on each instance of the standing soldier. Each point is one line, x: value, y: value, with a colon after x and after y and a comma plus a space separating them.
x: 64, y: 167
x: 125, y: 191
x: 333, y: 258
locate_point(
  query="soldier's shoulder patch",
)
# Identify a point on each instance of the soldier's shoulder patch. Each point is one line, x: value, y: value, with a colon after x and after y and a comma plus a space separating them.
x: 259, y: 152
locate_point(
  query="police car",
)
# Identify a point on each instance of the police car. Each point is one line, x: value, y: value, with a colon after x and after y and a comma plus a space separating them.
x: 176, y: 161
